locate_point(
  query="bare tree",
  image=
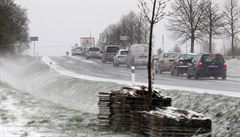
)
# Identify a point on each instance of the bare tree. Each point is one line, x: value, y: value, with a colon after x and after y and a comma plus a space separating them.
x: 127, y: 24
x: 232, y: 21
x: 141, y: 29
x: 153, y: 11
x: 187, y: 19
x: 132, y: 25
x: 177, y: 49
x: 213, y: 23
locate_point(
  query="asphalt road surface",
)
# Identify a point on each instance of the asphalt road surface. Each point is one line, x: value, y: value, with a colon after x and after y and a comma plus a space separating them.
x: 94, y: 67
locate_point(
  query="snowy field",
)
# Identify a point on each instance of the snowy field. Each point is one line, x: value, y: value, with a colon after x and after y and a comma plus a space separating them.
x: 22, y: 115
x: 233, y: 68
x: 40, y: 102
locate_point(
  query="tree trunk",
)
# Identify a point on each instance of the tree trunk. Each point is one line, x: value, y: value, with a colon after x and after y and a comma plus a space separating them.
x: 192, y: 44
x: 210, y: 42
x: 210, y: 34
x: 150, y: 59
x: 233, y: 54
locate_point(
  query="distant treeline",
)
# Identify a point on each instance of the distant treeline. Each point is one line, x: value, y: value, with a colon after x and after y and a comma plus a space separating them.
x: 13, y: 26
x: 189, y: 20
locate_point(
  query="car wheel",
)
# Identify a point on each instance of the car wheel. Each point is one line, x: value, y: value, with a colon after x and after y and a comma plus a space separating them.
x: 176, y: 72
x: 224, y: 77
x: 127, y: 65
x: 156, y: 71
x: 172, y: 73
x: 132, y: 62
x: 160, y: 71
x: 103, y: 61
x: 196, y: 76
x: 189, y: 76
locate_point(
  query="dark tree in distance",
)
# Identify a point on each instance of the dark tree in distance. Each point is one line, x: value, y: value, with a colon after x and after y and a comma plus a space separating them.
x: 13, y: 25
x: 187, y: 19
x: 132, y: 25
x: 231, y: 21
x: 177, y: 49
x: 153, y: 11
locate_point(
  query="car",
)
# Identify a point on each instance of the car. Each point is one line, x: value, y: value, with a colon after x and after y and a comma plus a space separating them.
x: 84, y: 51
x: 163, y: 62
x: 120, y: 58
x: 109, y: 52
x: 208, y: 65
x: 180, y: 63
x: 77, y: 51
x: 93, y: 52
x: 73, y: 52
x: 137, y: 55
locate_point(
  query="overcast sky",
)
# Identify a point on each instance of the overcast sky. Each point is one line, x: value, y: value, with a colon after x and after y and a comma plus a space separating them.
x: 59, y: 24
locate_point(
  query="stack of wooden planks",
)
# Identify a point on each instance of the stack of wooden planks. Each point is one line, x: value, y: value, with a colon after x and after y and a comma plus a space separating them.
x: 125, y: 110
x: 169, y: 122
x: 117, y: 107
x: 104, y: 116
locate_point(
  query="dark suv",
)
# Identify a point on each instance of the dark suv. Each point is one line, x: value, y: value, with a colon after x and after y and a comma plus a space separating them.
x: 207, y: 65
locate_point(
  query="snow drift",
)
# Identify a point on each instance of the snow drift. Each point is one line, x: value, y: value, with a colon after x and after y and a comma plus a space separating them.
x: 233, y: 68
x: 30, y: 75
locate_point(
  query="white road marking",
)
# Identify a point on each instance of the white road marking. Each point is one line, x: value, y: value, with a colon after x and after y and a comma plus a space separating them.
x: 84, y: 60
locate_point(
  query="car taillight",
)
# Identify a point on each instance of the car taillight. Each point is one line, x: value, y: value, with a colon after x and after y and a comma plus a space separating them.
x: 225, y: 65
x: 179, y: 62
x: 199, y: 64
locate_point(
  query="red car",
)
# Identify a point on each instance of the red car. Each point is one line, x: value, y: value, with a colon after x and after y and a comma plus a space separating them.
x: 163, y: 62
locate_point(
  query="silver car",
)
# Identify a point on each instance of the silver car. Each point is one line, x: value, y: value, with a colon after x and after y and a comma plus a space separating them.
x: 120, y: 58
x: 137, y: 55
x: 93, y: 52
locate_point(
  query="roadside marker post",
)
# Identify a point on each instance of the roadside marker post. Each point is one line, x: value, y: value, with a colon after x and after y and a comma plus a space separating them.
x: 133, y: 74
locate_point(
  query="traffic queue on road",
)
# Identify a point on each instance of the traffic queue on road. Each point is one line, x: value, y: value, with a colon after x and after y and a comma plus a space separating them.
x: 190, y: 64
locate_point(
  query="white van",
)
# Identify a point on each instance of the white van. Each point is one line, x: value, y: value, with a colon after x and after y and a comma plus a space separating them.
x: 137, y: 55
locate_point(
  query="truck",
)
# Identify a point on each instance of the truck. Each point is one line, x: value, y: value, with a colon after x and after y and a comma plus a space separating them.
x: 87, y: 42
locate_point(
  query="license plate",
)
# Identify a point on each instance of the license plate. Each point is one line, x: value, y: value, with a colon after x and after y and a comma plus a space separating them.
x: 213, y: 66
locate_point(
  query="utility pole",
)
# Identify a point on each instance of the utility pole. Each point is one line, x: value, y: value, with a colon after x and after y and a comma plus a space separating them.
x: 163, y: 43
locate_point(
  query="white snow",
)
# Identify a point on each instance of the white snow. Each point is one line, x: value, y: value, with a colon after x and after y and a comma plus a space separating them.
x: 233, y: 68
x: 84, y: 60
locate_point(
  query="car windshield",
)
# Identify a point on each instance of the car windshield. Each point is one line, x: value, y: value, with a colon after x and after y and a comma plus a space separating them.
x: 212, y: 58
x: 124, y: 52
x: 186, y: 57
x: 94, y: 49
x: 112, y: 49
x: 139, y: 49
x: 169, y: 55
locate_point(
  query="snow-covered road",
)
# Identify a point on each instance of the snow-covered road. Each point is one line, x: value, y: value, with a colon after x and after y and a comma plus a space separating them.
x: 96, y: 71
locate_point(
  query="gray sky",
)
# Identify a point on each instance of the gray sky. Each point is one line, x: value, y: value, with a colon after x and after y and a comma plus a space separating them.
x: 59, y: 24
